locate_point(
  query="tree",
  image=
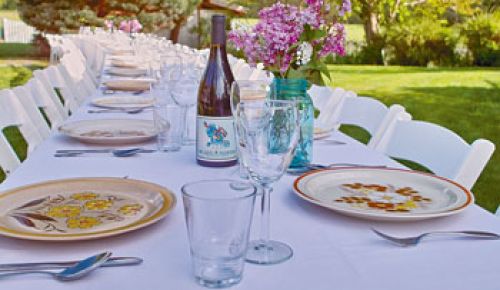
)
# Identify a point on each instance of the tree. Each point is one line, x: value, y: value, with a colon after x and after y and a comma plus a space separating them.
x: 56, y: 16
x: 8, y: 4
x: 379, y: 16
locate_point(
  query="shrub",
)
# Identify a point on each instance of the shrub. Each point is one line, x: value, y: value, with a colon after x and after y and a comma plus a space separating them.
x: 482, y: 38
x: 421, y: 42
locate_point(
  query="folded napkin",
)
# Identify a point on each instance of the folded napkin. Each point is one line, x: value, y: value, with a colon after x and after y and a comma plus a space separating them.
x: 128, y: 84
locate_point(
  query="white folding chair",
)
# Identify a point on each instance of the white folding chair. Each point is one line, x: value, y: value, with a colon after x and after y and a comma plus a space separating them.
x: 329, y: 103
x: 78, y: 87
x: 66, y: 89
x: 8, y: 158
x: 44, y: 80
x: 14, y: 114
x: 369, y: 114
x: 437, y: 148
x: 48, y: 101
x: 320, y: 95
x: 23, y: 95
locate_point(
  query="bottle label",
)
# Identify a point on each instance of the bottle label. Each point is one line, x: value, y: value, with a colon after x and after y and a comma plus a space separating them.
x: 215, y: 139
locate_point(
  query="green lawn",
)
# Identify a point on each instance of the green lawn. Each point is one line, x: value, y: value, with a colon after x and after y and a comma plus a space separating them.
x: 465, y: 100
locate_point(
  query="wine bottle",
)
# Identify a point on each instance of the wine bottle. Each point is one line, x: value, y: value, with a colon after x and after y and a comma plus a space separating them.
x: 215, y: 136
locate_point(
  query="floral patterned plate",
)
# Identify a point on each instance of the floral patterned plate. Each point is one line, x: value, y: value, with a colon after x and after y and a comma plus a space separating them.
x: 383, y: 194
x: 123, y: 102
x: 110, y: 131
x: 82, y: 209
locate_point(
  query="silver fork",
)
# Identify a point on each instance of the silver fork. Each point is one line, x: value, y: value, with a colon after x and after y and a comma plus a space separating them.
x: 413, y: 241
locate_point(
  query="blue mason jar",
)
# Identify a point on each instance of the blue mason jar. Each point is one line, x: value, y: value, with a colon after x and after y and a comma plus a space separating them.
x: 296, y: 89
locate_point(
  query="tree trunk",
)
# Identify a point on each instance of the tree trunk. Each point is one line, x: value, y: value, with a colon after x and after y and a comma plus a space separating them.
x: 371, y: 26
x: 176, y: 31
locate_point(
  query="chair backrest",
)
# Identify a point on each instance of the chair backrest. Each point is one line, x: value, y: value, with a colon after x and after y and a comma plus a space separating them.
x: 44, y: 80
x: 371, y: 115
x: 23, y: 95
x: 439, y: 149
x: 66, y: 89
x: 329, y: 106
x: 14, y: 114
x: 320, y: 95
x: 78, y: 86
x: 48, y: 101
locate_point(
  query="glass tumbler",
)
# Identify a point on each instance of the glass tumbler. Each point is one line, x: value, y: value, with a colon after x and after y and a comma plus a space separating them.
x: 167, y: 118
x: 218, y: 217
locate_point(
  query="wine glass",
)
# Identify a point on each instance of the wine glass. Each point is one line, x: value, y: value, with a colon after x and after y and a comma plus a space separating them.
x: 184, y: 94
x: 246, y: 91
x: 268, y: 132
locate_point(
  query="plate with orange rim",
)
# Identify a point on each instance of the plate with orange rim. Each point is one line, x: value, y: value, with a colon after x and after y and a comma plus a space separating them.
x: 385, y: 194
x: 82, y: 208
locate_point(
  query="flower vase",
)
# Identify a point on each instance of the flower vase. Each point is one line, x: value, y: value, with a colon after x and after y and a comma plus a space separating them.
x: 296, y: 89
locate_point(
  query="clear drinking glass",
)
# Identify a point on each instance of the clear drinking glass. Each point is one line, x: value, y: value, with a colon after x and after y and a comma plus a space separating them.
x: 184, y: 93
x: 246, y: 91
x: 268, y: 132
x: 218, y: 217
x: 168, y: 123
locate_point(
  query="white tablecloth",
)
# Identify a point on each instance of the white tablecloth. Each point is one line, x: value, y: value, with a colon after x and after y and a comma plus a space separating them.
x: 330, y: 251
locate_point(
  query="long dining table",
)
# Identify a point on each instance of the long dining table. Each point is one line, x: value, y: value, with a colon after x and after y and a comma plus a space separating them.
x: 331, y: 251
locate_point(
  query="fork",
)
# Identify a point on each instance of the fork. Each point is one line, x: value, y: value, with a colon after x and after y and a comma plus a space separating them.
x: 413, y: 241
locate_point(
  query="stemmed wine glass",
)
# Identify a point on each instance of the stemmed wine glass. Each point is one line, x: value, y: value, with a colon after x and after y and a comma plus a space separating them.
x: 246, y: 91
x: 184, y: 94
x: 268, y: 132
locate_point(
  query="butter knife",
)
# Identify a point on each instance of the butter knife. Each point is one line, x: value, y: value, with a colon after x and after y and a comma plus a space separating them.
x: 111, y: 262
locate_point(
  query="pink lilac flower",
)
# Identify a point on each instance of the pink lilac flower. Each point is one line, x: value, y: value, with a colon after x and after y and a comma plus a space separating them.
x: 273, y: 41
x: 345, y: 8
x: 130, y: 26
x: 334, y: 42
x: 109, y: 23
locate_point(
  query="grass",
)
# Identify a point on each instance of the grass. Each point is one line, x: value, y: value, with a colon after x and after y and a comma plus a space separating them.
x: 18, y: 50
x: 465, y: 100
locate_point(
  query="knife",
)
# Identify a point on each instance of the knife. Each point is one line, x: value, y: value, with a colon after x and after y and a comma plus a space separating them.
x: 111, y: 262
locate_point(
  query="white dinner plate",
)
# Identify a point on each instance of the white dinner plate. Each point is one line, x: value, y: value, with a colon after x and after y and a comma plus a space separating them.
x: 110, y: 131
x: 142, y: 84
x: 123, y: 102
x: 82, y: 208
x: 383, y: 194
x: 127, y: 72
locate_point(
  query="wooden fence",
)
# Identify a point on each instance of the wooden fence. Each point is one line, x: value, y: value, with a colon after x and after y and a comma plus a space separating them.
x: 17, y: 31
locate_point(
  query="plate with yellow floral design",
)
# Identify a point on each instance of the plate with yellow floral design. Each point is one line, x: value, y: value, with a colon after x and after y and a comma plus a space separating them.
x: 383, y: 193
x: 82, y: 208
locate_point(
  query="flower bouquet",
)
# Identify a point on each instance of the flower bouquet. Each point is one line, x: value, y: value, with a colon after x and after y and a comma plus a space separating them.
x: 291, y: 41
